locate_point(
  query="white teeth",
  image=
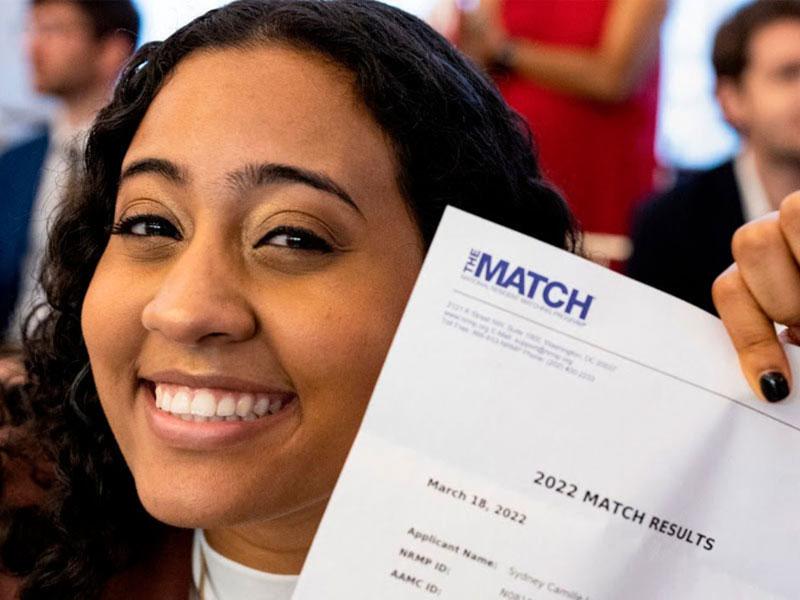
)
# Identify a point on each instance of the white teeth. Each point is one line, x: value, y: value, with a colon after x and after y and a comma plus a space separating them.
x: 163, y: 397
x: 180, y: 403
x: 244, y: 406
x: 226, y: 406
x: 262, y: 405
x: 203, y: 404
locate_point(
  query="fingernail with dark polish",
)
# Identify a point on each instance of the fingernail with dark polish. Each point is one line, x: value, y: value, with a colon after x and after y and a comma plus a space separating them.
x: 774, y: 386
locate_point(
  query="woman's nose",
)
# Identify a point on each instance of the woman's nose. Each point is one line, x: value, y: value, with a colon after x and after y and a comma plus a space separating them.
x: 200, y: 300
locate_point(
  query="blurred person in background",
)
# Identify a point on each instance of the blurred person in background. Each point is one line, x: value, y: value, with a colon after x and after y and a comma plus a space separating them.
x: 584, y: 74
x: 76, y: 49
x: 682, y: 238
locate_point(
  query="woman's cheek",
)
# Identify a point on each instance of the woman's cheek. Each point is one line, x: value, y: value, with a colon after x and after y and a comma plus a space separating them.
x: 98, y: 315
x: 111, y: 324
x: 334, y: 345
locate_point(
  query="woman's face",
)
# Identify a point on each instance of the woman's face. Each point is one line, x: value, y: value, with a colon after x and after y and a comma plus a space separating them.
x: 241, y: 311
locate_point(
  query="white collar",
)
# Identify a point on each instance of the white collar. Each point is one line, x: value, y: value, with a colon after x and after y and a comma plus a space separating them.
x: 755, y: 203
x: 229, y: 580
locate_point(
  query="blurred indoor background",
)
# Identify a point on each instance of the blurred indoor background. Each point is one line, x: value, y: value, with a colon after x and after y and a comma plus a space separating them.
x: 691, y: 133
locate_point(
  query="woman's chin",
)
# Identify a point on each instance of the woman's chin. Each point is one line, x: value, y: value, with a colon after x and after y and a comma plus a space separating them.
x: 192, y: 511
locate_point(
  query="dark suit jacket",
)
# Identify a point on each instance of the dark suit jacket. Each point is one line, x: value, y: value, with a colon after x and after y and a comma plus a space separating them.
x: 20, y: 171
x: 682, y: 238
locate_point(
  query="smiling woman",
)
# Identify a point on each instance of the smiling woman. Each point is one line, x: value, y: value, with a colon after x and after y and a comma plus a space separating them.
x: 258, y: 199
x: 258, y: 285
x: 223, y: 289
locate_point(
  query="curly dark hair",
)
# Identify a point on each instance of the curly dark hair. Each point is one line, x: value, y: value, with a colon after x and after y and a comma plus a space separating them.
x: 456, y: 141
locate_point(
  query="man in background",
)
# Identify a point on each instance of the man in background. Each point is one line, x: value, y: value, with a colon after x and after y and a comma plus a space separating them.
x: 76, y: 50
x: 682, y: 239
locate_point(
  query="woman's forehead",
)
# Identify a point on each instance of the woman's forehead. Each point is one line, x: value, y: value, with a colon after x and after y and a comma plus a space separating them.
x: 270, y: 86
x: 224, y: 108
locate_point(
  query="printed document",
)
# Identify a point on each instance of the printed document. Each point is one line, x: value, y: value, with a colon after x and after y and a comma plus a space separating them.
x: 546, y: 429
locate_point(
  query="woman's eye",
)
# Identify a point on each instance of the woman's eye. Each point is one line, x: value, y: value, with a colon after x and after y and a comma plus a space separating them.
x: 295, y: 238
x: 146, y: 226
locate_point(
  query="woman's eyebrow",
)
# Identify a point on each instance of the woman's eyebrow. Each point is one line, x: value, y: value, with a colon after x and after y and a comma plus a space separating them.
x: 159, y: 166
x: 258, y: 174
x: 248, y: 177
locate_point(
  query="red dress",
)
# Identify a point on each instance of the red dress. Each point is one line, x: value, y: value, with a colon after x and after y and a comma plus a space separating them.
x: 599, y: 155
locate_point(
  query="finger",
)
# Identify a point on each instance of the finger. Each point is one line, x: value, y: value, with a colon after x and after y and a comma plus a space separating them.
x: 789, y: 215
x: 753, y: 335
x: 769, y: 268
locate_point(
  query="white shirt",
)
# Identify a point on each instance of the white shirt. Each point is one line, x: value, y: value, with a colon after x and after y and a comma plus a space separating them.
x: 229, y: 580
x: 755, y: 203
x: 64, y: 139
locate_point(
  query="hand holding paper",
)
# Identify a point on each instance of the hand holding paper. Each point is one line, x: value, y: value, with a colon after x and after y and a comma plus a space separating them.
x: 544, y: 428
x: 762, y: 288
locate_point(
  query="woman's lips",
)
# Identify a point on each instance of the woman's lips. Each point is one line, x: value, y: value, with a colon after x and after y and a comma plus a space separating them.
x: 201, y: 418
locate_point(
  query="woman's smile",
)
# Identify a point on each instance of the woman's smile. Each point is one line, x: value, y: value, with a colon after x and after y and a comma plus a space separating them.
x: 202, y: 405
x: 211, y: 412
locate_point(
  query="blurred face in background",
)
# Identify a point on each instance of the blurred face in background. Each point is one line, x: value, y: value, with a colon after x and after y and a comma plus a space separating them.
x: 63, y: 49
x: 764, y: 105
